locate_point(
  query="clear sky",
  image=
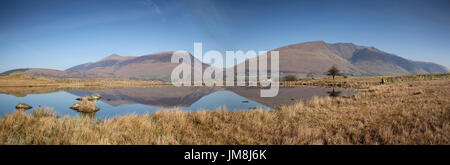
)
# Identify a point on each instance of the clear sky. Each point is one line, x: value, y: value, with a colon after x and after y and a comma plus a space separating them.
x: 58, y: 34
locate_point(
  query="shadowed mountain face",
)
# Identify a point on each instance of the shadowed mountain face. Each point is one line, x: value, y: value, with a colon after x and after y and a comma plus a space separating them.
x: 432, y: 67
x: 381, y: 63
x: 155, y: 66
x: 167, y: 96
x: 317, y: 57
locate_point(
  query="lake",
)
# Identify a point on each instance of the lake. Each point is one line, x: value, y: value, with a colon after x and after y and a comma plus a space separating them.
x: 146, y: 100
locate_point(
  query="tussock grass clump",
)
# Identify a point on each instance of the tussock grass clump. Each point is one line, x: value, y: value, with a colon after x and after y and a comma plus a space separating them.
x: 382, y: 114
x: 86, y: 105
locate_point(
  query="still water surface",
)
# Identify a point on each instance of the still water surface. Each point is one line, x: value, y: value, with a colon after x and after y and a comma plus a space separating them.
x: 146, y: 100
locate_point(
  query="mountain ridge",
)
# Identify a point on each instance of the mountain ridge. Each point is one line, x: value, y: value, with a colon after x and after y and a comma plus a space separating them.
x: 317, y: 57
x: 155, y: 66
x: 314, y: 57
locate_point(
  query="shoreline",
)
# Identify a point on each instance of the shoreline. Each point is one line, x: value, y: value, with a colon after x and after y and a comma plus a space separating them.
x: 25, y: 80
x: 414, y: 112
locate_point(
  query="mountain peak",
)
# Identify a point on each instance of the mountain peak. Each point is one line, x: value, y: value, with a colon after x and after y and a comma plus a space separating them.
x: 318, y: 41
x: 345, y: 43
x: 116, y: 57
x: 111, y: 57
x: 161, y: 53
x: 310, y: 44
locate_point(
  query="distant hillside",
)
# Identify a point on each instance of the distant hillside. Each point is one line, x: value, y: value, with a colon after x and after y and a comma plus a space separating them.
x: 59, y: 73
x: 155, y: 66
x: 317, y: 57
x: 309, y: 58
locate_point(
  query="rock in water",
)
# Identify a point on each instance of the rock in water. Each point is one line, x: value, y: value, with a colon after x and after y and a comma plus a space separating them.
x: 23, y: 106
x: 75, y: 106
x: 85, y: 106
x: 96, y: 96
x: 81, y: 98
x: 92, y: 97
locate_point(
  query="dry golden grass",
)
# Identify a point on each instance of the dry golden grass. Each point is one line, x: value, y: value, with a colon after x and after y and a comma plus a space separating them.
x: 87, y: 106
x: 364, y: 82
x: 19, y: 80
x: 399, y: 113
x: 24, y: 91
x: 24, y: 80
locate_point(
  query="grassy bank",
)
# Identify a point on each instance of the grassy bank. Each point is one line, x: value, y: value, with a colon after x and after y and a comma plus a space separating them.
x: 416, y: 112
x: 19, y: 79
x: 364, y: 82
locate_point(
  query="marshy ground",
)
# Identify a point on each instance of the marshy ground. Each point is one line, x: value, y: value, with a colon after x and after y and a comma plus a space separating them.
x: 410, y: 112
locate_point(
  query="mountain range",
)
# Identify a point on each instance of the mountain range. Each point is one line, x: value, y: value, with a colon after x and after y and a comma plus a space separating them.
x: 314, y: 58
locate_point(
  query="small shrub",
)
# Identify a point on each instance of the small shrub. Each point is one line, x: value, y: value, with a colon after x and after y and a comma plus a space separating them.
x: 290, y: 78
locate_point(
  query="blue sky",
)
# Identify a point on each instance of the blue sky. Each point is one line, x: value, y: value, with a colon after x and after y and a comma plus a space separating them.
x: 60, y: 34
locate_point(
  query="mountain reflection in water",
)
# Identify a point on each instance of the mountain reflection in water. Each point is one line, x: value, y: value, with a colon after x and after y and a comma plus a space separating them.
x: 169, y: 96
x: 140, y: 100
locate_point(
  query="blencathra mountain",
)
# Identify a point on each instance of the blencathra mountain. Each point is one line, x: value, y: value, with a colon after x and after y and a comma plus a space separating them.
x: 309, y: 58
x: 317, y: 57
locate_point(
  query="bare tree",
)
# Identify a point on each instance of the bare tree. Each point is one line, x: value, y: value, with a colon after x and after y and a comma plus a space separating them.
x: 333, y: 71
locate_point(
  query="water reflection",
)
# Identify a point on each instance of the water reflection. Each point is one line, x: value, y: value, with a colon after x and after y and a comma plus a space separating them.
x: 142, y: 100
x: 334, y: 93
x: 288, y: 95
x: 166, y: 96
x: 186, y: 96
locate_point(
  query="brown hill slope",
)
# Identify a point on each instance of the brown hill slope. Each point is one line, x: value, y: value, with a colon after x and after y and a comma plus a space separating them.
x: 59, y: 74
x: 155, y: 66
x: 311, y: 57
x: 317, y: 57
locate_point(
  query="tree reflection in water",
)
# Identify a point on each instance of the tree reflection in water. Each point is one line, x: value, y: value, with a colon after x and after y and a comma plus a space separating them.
x: 334, y: 93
